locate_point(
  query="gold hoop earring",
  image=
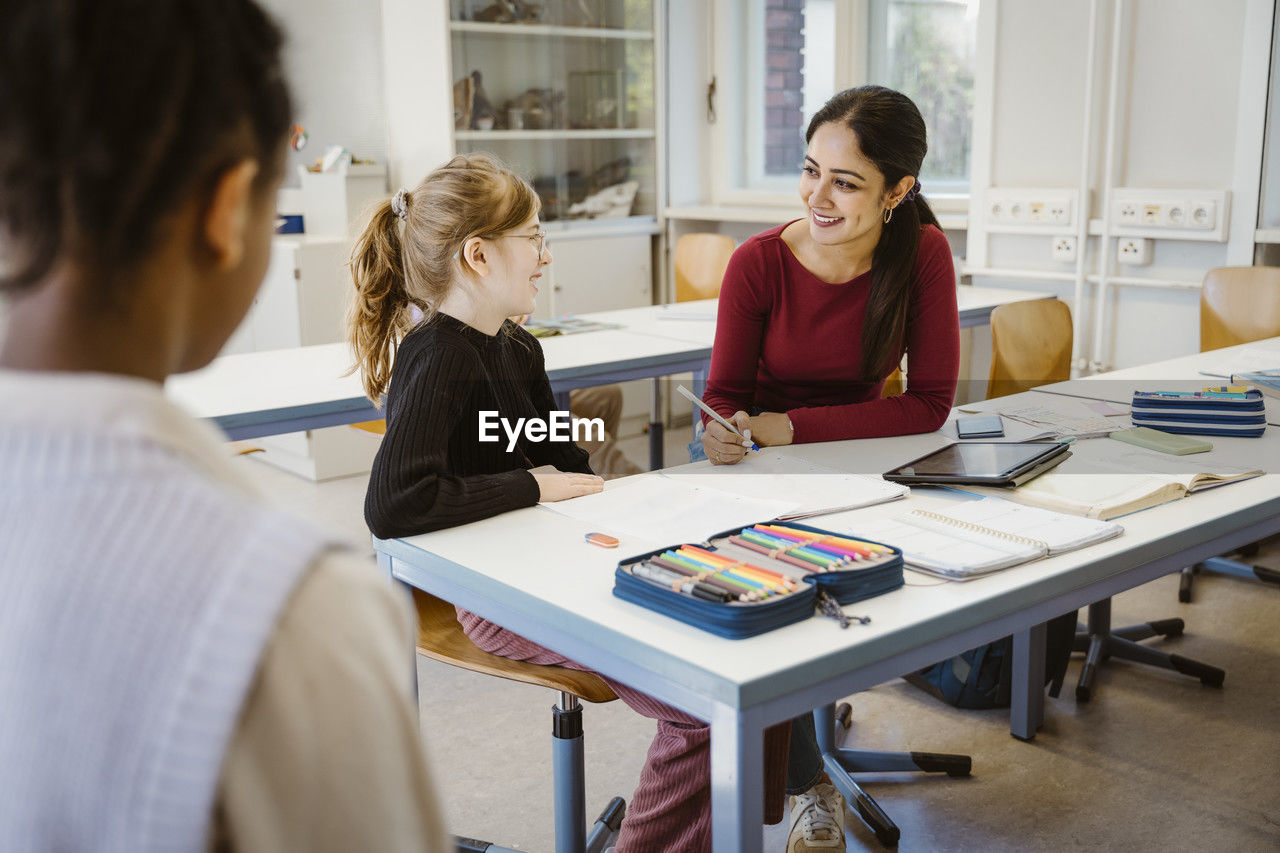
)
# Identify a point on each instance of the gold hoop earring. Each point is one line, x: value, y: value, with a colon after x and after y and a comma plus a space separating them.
x: 888, y: 214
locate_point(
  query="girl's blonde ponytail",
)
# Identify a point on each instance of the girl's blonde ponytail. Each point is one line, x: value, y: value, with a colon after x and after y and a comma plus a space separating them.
x: 379, y: 315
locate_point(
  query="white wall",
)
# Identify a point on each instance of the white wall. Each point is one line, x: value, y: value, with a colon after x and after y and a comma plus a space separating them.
x: 333, y: 60
x: 1191, y: 92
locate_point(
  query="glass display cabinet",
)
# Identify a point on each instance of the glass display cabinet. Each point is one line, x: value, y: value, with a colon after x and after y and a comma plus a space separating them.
x: 565, y: 92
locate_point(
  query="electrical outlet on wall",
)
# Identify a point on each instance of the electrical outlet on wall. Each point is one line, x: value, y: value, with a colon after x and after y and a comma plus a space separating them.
x: 1064, y: 249
x: 1134, y: 251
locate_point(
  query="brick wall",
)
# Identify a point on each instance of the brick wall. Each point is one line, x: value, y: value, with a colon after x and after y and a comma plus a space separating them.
x: 784, y: 86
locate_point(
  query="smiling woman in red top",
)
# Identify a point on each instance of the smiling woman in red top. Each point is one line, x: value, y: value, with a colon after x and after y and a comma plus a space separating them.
x: 815, y: 314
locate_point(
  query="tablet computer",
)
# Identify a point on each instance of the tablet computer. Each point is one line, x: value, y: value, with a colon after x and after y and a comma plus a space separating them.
x: 983, y: 463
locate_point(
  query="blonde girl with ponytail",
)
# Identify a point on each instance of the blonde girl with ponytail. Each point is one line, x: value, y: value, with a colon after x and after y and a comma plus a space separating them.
x: 465, y: 248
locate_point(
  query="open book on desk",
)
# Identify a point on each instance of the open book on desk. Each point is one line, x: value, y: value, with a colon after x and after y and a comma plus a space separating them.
x: 566, y: 326
x: 978, y: 537
x: 1266, y: 381
x: 1106, y: 496
x: 808, y: 489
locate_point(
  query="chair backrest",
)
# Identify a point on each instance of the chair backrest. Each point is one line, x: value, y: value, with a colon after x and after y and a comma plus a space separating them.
x: 893, y: 385
x: 1030, y: 346
x: 700, y: 262
x: 1239, y: 305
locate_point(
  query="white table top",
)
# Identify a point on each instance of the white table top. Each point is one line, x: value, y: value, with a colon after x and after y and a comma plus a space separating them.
x: 565, y: 601
x: 304, y: 379
x: 271, y: 380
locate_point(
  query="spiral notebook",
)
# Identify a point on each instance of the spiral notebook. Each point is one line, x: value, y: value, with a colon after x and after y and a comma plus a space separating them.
x: 979, y: 537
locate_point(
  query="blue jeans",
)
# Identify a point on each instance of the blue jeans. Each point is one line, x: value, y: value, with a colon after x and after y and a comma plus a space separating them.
x: 696, y: 451
x: 804, y: 765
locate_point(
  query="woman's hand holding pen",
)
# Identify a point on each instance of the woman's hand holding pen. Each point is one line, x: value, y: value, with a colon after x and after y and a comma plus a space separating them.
x: 554, y: 485
x: 772, y: 429
x: 722, y: 446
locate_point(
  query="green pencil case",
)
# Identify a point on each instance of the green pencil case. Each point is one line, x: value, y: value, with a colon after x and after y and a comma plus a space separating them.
x: 1165, y: 442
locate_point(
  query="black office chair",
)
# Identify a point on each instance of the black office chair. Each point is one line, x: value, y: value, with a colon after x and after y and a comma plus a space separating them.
x: 1100, y: 641
x: 841, y: 764
x: 1228, y: 566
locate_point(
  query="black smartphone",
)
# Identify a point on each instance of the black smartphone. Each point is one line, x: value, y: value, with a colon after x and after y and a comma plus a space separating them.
x: 980, y: 426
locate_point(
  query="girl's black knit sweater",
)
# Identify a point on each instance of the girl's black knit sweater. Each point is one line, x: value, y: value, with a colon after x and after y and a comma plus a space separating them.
x: 432, y: 471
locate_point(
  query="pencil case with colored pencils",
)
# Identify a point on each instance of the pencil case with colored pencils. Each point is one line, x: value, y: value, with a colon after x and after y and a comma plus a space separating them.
x: 750, y: 580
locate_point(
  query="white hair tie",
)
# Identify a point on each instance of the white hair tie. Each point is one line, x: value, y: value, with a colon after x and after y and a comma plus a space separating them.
x: 399, y: 205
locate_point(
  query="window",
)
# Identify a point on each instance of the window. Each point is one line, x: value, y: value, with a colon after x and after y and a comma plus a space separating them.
x: 925, y: 49
x: 779, y: 60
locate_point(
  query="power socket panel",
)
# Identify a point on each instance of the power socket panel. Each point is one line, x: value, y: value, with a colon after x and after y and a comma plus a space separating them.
x: 1064, y: 249
x: 1134, y: 251
x: 1165, y: 214
x: 1031, y: 211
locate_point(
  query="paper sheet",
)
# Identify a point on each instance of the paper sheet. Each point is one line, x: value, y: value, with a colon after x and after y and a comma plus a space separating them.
x: 806, y: 488
x: 663, y: 511
x: 1246, y: 360
x: 1066, y: 416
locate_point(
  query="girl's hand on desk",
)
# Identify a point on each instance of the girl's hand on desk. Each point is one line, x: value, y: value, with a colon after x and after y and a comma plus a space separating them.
x: 722, y: 446
x: 772, y: 429
x: 554, y: 485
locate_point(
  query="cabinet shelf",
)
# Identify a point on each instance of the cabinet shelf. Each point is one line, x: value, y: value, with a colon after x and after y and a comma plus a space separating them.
x: 594, y: 133
x: 576, y: 229
x: 546, y: 30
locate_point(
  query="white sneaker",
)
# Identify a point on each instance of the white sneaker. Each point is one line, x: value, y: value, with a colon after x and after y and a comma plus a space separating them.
x: 817, y: 820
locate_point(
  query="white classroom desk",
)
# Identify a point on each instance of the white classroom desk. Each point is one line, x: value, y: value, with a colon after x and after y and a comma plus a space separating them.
x: 696, y: 321
x: 268, y: 393
x: 1177, y: 374
x: 531, y: 572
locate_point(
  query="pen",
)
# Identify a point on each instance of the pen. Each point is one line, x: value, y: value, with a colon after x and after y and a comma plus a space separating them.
x: 688, y: 395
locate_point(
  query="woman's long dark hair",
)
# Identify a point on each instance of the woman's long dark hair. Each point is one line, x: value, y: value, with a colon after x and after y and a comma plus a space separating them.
x: 891, y: 134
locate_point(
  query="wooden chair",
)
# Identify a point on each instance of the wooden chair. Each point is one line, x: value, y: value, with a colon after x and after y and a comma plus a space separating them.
x: 440, y: 637
x: 378, y: 427
x: 700, y: 262
x: 1238, y: 305
x: 1031, y: 345
x: 894, y: 385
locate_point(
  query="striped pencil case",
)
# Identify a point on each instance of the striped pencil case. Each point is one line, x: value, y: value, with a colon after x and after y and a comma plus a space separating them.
x: 749, y: 580
x: 1242, y: 415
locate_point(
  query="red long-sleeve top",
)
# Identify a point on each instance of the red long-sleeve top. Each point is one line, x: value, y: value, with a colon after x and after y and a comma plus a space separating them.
x: 786, y: 341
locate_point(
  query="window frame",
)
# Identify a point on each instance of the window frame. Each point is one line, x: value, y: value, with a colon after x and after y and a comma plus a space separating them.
x: 739, y: 104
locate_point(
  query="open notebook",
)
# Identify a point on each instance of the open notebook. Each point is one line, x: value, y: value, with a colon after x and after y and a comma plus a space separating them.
x: 983, y: 536
x: 809, y: 489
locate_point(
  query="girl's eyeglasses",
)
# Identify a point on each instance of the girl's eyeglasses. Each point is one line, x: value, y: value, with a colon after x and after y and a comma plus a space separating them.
x: 539, y: 241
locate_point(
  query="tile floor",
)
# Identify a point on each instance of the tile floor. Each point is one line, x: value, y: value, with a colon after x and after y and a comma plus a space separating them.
x: 1155, y: 762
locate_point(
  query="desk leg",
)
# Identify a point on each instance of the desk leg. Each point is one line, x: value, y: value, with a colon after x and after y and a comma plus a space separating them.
x: 384, y: 565
x: 655, y: 424
x: 700, y: 380
x: 737, y: 781
x: 1026, y: 706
